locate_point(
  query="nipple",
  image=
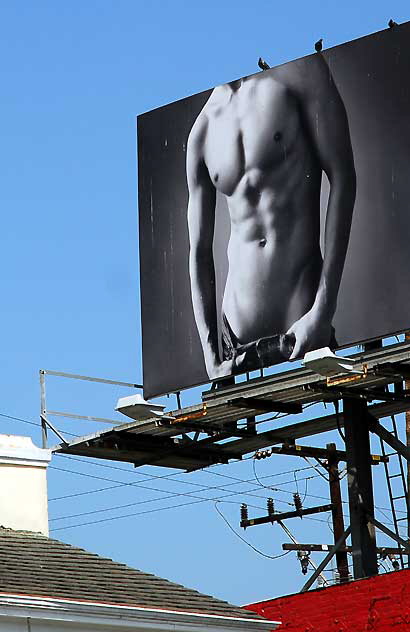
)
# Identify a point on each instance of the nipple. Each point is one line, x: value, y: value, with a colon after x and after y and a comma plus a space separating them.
x: 278, y: 136
x: 262, y: 242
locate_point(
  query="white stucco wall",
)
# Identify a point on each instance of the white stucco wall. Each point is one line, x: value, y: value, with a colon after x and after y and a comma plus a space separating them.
x: 23, y: 484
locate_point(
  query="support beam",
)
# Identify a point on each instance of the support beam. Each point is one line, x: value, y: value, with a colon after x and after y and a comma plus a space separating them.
x: 326, y: 560
x: 48, y: 423
x: 360, y: 487
x: 293, y: 449
x: 389, y: 438
x: 265, y: 405
x: 43, y: 408
x: 405, y: 544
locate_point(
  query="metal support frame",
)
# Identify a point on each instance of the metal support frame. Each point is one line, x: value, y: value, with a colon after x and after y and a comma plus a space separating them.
x: 43, y: 408
x: 294, y: 449
x: 405, y: 544
x: 360, y: 487
x: 44, y: 421
x: 265, y: 405
x: 389, y: 438
x: 326, y: 560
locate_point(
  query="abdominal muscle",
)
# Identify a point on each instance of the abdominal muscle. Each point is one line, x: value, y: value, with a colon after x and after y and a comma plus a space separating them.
x: 274, y: 269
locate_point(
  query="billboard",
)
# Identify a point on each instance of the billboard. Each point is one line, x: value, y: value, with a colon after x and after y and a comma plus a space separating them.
x: 274, y: 214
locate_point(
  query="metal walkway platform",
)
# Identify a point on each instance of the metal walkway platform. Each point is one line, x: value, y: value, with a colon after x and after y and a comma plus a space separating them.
x: 225, y: 425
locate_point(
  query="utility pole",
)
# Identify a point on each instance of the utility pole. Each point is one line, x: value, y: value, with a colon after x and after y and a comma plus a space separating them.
x: 337, y: 510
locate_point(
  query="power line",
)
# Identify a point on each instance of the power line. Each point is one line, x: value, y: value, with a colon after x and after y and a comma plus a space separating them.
x: 155, y: 477
x: 172, y: 494
x: 32, y: 423
x: 143, y: 502
x: 270, y: 557
x: 142, y: 486
x: 178, y: 506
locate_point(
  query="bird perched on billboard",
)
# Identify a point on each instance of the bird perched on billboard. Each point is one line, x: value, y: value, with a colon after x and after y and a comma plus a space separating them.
x: 319, y: 45
x: 263, y: 65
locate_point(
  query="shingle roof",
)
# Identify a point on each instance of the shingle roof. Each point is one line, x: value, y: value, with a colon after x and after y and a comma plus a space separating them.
x: 32, y: 564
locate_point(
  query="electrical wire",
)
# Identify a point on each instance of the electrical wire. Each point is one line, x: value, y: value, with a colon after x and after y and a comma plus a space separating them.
x: 270, y: 557
x: 296, y: 481
x: 237, y: 480
x: 32, y: 423
x: 306, y: 490
x: 208, y: 471
x: 316, y: 468
x: 93, y: 522
x: 172, y: 495
x: 140, y: 502
x: 275, y: 489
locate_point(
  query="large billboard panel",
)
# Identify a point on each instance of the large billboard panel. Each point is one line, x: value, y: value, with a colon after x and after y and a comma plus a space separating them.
x: 274, y: 214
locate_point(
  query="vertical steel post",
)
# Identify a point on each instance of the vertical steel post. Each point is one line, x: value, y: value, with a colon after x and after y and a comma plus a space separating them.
x: 43, y: 407
x: 360, y: 487
x: 337, y: 510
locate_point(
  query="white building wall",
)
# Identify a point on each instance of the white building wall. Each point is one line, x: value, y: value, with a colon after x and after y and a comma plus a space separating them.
x: 23, y: 485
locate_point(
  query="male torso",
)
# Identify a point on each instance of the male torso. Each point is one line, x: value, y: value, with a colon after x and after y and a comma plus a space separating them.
x: 258, y: 154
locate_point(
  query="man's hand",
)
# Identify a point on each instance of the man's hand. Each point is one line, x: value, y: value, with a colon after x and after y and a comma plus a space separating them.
x: 217, y: 370
x: 312, y: 331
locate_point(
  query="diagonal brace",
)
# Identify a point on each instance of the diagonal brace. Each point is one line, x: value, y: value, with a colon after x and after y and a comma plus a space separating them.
x: 50, y: 425
x: 395, y: 443
x: 405, y: 544
x: 327, y: 559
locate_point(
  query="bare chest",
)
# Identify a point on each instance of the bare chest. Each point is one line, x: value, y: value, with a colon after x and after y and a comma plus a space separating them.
x: 255, y: 129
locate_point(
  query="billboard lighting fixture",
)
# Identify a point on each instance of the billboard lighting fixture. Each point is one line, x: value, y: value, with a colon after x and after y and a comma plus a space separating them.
x: 324, y: 362
x: 136, y: 407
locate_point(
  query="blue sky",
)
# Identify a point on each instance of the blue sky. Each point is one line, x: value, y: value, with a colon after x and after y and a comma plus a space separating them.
x: 74, y: 77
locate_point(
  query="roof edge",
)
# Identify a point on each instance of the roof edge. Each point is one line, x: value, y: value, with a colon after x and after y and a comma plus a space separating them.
x: 161, y: 619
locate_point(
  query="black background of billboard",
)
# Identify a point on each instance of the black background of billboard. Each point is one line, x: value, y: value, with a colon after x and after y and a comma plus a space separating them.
x: 374, y: 299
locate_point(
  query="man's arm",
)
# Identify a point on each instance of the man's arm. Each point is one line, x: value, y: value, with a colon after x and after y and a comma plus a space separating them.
x: 201, y: 225
x: 325, y: 118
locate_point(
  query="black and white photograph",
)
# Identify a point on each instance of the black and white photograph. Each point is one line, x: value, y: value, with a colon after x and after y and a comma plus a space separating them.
x: 274, y: 214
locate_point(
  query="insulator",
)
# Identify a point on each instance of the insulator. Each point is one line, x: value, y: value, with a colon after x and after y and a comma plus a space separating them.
x: 244, y: 512
x: 304, y: 561
x: 395, y: 563
x: 257, y: 456
x: 297, y: 501
x: 271, y: 507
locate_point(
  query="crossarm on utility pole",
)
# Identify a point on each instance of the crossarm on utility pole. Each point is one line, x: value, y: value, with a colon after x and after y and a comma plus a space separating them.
x: 284, y: 516
x: 326, y: 560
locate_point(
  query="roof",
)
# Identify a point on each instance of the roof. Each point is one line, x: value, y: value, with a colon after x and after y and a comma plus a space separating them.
x: 32, y: 564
